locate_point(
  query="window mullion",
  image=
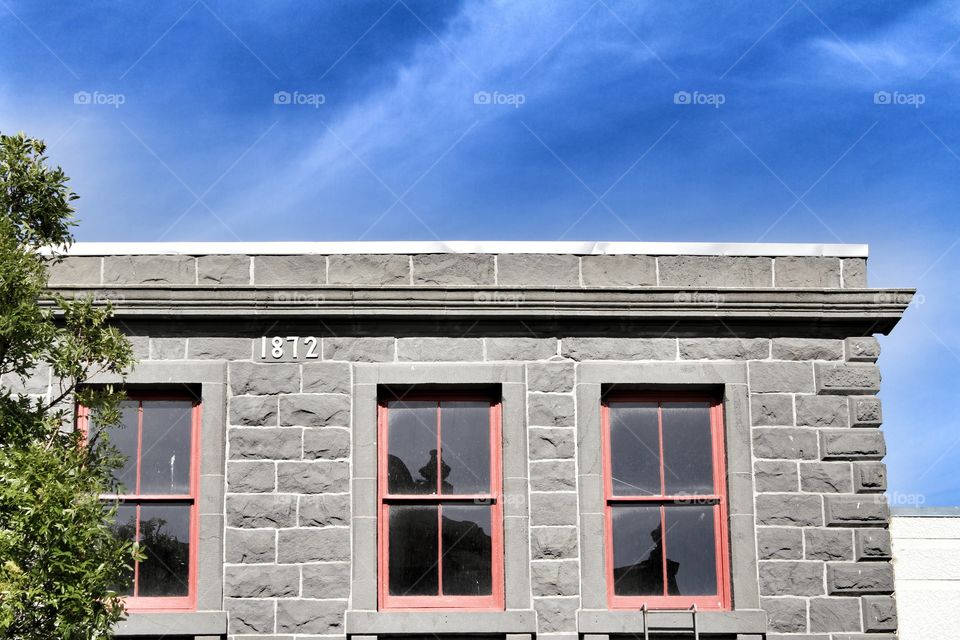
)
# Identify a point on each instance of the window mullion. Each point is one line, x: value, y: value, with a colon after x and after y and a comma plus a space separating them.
x: 139, y: 440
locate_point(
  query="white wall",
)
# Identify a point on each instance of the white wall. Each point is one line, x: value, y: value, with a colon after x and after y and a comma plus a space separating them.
x: 926, y: 559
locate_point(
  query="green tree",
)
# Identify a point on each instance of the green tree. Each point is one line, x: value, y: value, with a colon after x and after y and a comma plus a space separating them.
x: 58, y: 556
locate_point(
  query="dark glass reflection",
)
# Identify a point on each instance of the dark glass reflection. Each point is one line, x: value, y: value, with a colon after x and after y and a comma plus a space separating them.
x: 124, y: 438
x: 467, y: 551
x: 165, y: 536
x: 691, y: 548
x: 687, y: 448
x: 412, y: 443
x: 638, y: 552
x: 165, y: 447
x: 465, y: 431
x: 635, y: 448
x: 413, y: 551
x: 124, y: 527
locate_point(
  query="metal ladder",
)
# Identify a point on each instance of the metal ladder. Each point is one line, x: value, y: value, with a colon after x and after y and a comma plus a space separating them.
x: 693, y: 614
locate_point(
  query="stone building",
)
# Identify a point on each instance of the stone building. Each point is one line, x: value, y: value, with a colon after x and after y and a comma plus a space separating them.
x: 506, y: 440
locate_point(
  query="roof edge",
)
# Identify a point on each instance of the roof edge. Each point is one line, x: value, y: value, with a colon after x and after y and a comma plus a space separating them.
x: 926, y: 512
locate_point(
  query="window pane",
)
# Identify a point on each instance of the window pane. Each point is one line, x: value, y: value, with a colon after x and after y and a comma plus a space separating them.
x: 124, y: 438
x: 635, y: 448
x: 165, y: 447
x: 465, y: 456
x: 412, y: 441
x: 467, y: 551
x: 687, y: 452
x: 125, y: 528
x: 413, y: 551
x: 165, y: 535
x: 691, y: 551
x: 637, y: 551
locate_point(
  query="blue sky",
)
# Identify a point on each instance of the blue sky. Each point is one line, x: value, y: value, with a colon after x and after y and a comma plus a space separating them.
x: 165, y: 116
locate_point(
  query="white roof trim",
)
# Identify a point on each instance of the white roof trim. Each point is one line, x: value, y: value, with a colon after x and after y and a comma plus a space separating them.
x: 466, y: 246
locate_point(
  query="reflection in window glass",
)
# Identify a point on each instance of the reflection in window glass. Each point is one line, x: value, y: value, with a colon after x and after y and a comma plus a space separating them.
x: 412, y: 460
x: 165, y: 447
x: 465, y: 455
x: 413, y: 565
x: 123, y: 437
x: 637, y: 551
x: 691, y: 549
x: 125, y: 528
x: 165, y: 535
x: 635, y: 448
x: 467, y: 547
x: 687, y: 448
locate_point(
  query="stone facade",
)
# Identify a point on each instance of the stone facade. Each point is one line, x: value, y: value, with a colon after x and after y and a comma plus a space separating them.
x: 289, y: 521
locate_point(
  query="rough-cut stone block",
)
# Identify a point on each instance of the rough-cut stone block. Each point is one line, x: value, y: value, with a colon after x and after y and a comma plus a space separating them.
x: 264, y: 444
x: 776, y: 475
x: 261, y: 581
x: 865, y: 411
x: 807, y: 271
x: 369, y: 269
x: 315, y: 410
x: 864, y: 349
x: 789, y: 510
x: 168, y: 348
x: 780, y: 543
x: 439, y: 349
x: 553, y: 475
x: 75, y: 270
x: 550, y: 410
x: 556, y: 615
x: 319, y: 476
x: 156, y: 269
x: 546, y: 270
x: 250, y: 477
x: 806, y: 349
x: 359, y: 349
x: 879, y: 613
x: 550, y: 443
x: 324, y: 510
x: 847, y: 379
x: 553, y: 543
x: 227, y: 269
x: 826, y: 477
x: 784, y: 442
x: 247, y: 378
x: 219, y: 348
x: 141, y: 347
x: 619, y: 271
x: 822, y: 411
x: 520, y: 348
x: 253, y: 411
x: 327, y: 544
x: 872, y: 544
x: 854, y: 273
x: 249, y: 616
x: 37, y: 382
x: 553, y: 509
x: 783, y: 578
x: 619, y: 348
x: 326, y: 580
x: 715, y: 271
x: 724, y: 348
x: 291, y: 270
x: 860, y: 578
x: 829, y: 544
x: 770, y: 410
x: 550, y: 377
x: 250, y: 546
x: 555, y: 578
x: 856, y: 510
x: 781, y: 377
x: 851, y: 443
x: 328, y: 443
x: 323, y: 617
x: 444, y: 269
x: 834, y: 614
x: 260, y: 511
x: 326, y: 377
x: 869, y: 477
x: 786, y: 615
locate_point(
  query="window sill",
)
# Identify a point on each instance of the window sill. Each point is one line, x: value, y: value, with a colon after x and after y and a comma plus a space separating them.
x: 440, y: 622
x: 716, y: 622
x: 173, y: 623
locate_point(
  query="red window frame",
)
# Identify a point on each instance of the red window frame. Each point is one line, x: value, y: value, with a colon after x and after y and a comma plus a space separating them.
x: 494, y: 601
x: 162, y: 603
x: 718, y: 499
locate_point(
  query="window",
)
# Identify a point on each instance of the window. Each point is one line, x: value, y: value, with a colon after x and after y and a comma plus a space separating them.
x: 664, y: 488
x: 158, y: 501
x: 439, y: 491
